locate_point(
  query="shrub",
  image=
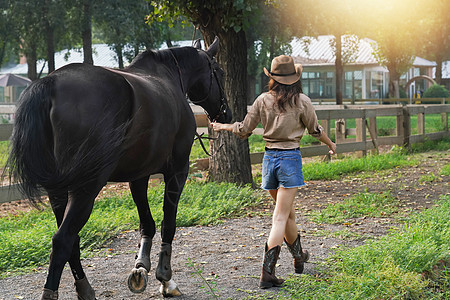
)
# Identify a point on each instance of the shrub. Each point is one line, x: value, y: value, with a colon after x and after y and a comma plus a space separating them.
x: 436, y: 91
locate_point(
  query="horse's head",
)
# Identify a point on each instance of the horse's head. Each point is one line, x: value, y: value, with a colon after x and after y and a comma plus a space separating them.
x: 208, y: 90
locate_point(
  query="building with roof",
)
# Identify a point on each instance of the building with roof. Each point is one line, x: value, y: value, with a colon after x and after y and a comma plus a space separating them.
x: 363, y: 78
x: 101, y: 54
x: 445, y: 74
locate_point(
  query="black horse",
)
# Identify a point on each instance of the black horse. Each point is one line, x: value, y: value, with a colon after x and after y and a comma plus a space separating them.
x: 82, y: 126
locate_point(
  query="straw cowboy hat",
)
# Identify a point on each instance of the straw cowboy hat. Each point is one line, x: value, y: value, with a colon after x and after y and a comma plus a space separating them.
x: 284, y: 70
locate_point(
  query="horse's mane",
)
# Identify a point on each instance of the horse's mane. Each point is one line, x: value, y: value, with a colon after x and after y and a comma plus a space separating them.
x: 188, y: 55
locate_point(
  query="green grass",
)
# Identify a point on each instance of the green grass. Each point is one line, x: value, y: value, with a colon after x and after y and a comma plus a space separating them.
x: 428, y: 178
x: 441, y: 145
x: 26, y: 239
x: 409, y: 263
x: 338, y: 168
x: 445, y: 171
x: 3, y: 152
x: 362, y: 204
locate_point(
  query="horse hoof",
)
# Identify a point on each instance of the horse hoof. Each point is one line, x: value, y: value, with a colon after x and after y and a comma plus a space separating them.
x: 49, y: 295
x: 169, y: 289
x: 137, y: 281
x: 84, y: 290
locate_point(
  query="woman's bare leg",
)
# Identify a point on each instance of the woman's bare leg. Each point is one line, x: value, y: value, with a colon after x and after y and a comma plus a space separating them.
x: 284, y: 210
x: 291, y: 231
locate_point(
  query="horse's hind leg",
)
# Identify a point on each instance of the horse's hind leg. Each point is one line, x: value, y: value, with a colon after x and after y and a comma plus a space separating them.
x: 82, y: 286
x: 137, y: 281
x: 174, y: 186
x: 72, y: 214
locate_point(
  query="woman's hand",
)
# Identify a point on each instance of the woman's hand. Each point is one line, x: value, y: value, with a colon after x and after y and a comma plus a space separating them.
x: 221, y: 127
x: 332, y: 147
x: 217, y: 126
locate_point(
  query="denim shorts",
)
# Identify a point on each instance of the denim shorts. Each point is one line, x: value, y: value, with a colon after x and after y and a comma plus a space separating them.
x: 282, y: 168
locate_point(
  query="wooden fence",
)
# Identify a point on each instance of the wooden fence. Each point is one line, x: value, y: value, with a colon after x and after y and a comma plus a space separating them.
x: 405, y: 101
x: 361, y: 139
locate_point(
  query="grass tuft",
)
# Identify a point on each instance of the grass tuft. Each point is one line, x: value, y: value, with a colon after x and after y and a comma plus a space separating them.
x: 410, y: 263
x: 360, y: 205
x: 336, y: 169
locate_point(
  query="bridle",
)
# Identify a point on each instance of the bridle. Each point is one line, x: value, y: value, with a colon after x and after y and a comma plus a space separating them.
x: 223, y: 103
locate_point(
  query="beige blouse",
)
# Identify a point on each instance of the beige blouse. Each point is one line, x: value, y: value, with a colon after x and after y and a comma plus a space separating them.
x: 282, y: 130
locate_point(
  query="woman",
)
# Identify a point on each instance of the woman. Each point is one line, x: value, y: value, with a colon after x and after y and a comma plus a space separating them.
x: 284, y: 112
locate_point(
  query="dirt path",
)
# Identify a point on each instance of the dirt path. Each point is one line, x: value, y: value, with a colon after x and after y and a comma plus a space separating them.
x: 229, y: 254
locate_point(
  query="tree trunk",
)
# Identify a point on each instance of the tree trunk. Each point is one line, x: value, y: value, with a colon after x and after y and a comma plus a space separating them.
x: 49, y: 37
x: 231, y: 162
x: 119, y: 53
x: 438, y: 74
x: 272, y: 47
x: 50, y: 49
x: 2, y: 51
x: 394, y: 82
x: 31, y: 63
x: 86, y: 32
x: 339, y: 69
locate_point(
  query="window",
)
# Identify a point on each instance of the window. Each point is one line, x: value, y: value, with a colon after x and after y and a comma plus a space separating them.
x: 375, y: 88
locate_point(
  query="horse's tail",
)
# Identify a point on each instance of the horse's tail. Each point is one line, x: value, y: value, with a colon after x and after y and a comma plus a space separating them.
x: 31, y: 161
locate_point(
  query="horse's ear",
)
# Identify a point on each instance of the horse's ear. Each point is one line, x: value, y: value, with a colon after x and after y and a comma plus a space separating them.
x: 213, y: 48
x: 197, y: 44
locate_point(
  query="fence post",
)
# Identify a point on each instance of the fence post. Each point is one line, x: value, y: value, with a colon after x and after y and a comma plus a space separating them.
x: 405, y: 126
x: 340, y: 130
x: 444, y: 120
x: 327, y: 129
x: 373, y: 133
x: 361, y: 133
x: 421, y: 122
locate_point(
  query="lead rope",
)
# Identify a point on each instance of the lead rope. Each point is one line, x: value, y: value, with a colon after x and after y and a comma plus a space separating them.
x: 197, y: 135
x: 200, y: 137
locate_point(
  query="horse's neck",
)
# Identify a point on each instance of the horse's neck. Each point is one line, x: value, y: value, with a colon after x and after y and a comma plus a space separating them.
x: 179, y: 61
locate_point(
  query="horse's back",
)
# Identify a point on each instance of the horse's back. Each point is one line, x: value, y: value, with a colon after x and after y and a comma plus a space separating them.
x: 85, y: 95
x: 162, y: 122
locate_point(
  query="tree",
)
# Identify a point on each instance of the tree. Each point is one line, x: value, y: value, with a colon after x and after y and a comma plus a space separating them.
x: 392, y: 25
x: 26, y: 19
x: 79, y: 20
x: 435, y: 36
x: 330, y: 17
x: 119, y: 20
x: 267, y: 39
x: 6, y: 34
x: 52, y: 19
x: 228, y: 20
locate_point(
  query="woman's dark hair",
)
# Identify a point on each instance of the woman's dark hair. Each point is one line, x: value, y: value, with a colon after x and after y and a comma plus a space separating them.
x: 285, y: 94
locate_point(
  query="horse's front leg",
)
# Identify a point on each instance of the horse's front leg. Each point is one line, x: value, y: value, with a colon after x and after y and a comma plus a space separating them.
x: 174, y: 186
x: 137, y: 280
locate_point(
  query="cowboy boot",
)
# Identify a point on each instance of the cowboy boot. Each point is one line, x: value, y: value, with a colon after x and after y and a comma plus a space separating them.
x: 300, y: 256
x: 268, y: 278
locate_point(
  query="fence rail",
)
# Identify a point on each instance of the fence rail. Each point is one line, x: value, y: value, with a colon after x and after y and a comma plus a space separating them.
x: 423, y: 101
x: 365, y: 132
